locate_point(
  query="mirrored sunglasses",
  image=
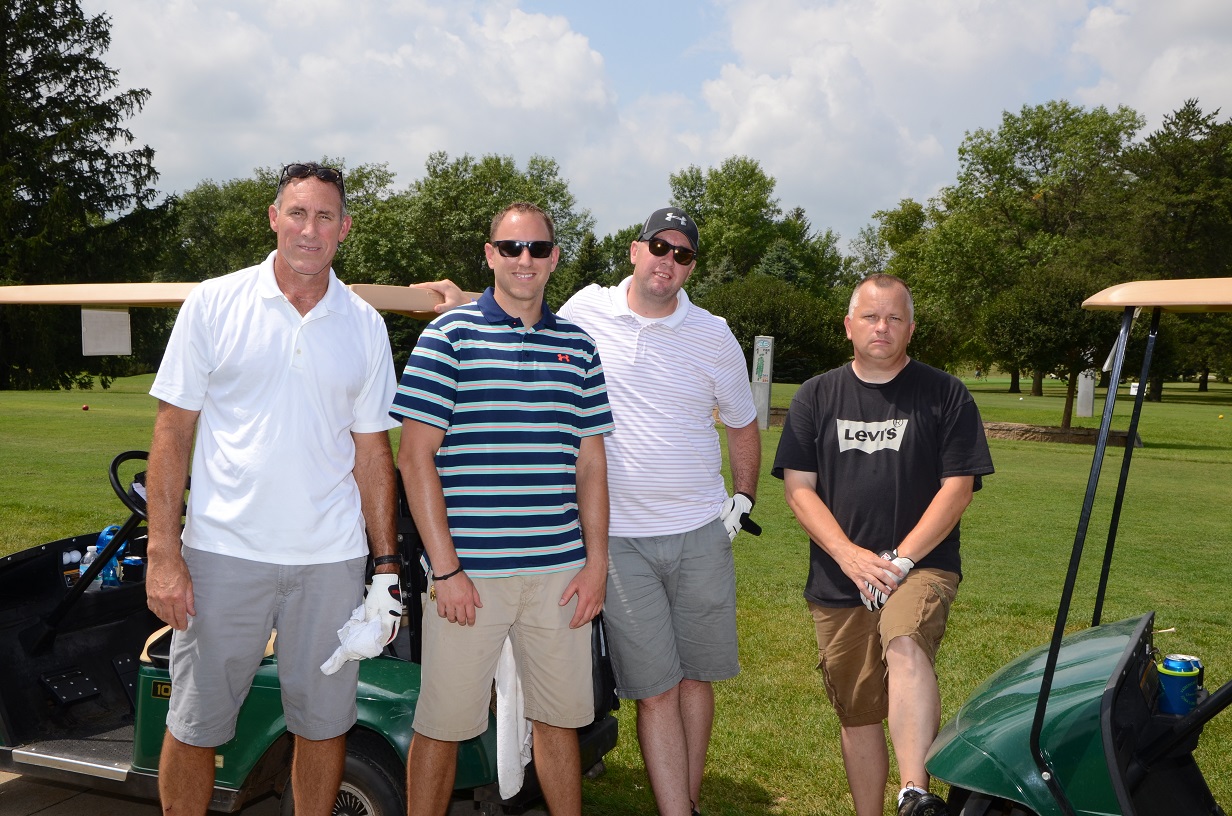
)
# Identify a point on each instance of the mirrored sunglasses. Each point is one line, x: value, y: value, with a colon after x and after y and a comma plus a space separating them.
x: 681, y: 255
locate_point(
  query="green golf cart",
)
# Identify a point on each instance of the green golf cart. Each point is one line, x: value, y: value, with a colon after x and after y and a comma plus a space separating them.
x: 84, y: 688
x: 1076, y: 726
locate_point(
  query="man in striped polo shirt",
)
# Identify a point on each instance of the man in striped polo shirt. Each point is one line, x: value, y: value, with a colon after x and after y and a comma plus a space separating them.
x: 504, y: 408
x: 671, y: 596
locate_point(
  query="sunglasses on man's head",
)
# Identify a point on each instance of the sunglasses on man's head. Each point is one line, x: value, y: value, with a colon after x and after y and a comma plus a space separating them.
x: 681, y: 255
x: 302, y: 171
x: 513, y: 249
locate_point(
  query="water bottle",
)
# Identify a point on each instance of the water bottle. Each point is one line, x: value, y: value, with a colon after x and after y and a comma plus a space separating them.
x: 88, y: 559
x: 110, y: 572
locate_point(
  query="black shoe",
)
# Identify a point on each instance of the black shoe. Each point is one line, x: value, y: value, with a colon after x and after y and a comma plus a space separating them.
x: 916, y: 803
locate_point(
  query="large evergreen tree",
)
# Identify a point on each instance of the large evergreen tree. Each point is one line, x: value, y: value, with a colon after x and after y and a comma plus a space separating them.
x: 64, y: 171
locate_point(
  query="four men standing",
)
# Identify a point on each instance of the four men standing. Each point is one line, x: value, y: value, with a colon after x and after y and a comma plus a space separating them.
x: 510, y: 454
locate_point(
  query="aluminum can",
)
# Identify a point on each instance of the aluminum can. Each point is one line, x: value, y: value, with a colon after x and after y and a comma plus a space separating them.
x: 1180, y: 678
x: 1184, y: 664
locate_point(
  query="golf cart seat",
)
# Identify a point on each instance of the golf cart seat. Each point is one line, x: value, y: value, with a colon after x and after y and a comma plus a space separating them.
x: 157, y: 650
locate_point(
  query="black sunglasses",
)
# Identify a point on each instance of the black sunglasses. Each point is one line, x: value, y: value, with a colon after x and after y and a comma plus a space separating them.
x: 301, y: 171
x: 513, y: 249
x: 681, y: 255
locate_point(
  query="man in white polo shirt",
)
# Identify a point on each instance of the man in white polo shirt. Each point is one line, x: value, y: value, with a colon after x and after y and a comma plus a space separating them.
x: 671, y: 595
x: 284, y: 378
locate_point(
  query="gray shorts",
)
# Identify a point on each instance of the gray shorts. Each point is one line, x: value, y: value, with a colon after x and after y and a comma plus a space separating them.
x: 239, y: 602
x: 670, y: 610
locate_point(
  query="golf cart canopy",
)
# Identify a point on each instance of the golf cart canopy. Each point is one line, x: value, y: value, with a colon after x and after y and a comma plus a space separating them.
x: 402, y: 300
x: 1182, y: 295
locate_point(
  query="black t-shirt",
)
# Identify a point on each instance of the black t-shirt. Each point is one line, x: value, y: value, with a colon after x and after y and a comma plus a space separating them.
x: 880, y: 451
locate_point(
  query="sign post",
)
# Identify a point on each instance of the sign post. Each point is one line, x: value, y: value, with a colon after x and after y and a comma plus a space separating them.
x: 762, y: 377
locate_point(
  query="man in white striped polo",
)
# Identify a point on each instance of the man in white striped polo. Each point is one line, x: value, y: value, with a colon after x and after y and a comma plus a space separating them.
x: 671, y: 593
x: 504, y: 408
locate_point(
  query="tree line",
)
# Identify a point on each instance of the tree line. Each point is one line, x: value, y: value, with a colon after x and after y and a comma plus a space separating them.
x: 1054, y: 204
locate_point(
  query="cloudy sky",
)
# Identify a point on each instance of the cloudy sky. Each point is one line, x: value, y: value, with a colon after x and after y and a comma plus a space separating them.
x: 852, y: 105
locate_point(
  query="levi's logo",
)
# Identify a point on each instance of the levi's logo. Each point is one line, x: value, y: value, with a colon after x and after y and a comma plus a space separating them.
x: 870, y: 436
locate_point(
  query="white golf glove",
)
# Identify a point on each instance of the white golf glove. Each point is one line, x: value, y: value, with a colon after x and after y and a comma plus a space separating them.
x: 383, y: 603
x: 735, y: 513
x: 903, y: 563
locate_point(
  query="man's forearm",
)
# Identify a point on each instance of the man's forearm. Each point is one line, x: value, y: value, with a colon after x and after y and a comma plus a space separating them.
x: 374, y: 475
x: 424, y: 493
x: 942, y: 514
x: 167, y: 474
x: 593, y: 505
x: 744, y: 458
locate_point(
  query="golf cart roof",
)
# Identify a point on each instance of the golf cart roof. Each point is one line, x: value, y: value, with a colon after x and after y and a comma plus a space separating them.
x: 1181, y: 295
x: 398, y: 299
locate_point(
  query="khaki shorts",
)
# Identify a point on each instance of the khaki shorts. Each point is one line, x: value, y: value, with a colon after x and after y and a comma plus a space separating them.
x: 852, y: 642
x: 459, y: 662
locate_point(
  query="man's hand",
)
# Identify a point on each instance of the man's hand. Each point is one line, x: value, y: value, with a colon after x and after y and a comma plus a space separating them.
x: 384, y: 603
x: 453, y: 294
x: 456, y: 599
x: 590, y: 587
x: 902, y: 564
x: 169, y: 590
x: 735, y: 515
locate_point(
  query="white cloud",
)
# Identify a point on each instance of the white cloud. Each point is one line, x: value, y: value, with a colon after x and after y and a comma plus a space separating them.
x: 1152, y: 56
x: 850, y: 104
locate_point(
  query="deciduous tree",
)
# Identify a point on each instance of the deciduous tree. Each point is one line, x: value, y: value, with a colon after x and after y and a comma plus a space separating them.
x: 65, y: 169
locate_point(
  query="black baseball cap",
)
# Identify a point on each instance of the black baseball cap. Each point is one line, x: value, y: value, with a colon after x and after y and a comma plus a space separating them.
x: 669, y: 218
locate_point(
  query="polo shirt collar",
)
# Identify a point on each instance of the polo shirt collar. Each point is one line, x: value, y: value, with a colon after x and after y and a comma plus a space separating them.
x: 620, y: 305
x: 335, y: 299
x: 495, y: 315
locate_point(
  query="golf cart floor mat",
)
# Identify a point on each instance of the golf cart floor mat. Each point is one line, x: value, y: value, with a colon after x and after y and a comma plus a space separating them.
x: 127, y: 668
x: 70, y: 685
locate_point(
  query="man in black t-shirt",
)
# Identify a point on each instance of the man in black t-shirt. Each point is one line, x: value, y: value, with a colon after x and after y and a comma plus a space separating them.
x: 879, y: 460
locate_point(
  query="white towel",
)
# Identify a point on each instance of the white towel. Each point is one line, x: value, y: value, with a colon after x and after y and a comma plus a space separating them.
x: 360, y: 638
x: 513, y: 730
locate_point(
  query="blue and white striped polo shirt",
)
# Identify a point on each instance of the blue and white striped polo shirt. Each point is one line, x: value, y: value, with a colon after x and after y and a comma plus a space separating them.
x: 514, y: 403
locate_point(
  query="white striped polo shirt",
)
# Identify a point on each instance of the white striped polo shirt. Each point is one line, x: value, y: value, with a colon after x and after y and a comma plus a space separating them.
x: 664, y: 380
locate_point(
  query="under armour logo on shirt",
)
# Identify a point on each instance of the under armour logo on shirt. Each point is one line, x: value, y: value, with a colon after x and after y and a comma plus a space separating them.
x: 562, y: 358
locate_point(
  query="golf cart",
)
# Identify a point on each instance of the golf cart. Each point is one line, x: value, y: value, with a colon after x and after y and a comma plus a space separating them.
x: 84, y: 682
x: 1078, y: 726
x: 85, y: 686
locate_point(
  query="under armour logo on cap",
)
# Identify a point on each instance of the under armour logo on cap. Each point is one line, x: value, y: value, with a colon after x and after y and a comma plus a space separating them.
x: 669, y: 218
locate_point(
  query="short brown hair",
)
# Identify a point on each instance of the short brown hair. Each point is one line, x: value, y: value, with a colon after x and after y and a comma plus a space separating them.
x: 522, y: 208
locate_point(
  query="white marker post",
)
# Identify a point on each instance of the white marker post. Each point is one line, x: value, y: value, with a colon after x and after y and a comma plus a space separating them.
x: 762, y: 377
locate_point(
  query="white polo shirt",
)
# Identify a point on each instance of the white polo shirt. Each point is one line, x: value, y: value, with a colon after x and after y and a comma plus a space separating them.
x: 279, y: 396
x: 664, y: 379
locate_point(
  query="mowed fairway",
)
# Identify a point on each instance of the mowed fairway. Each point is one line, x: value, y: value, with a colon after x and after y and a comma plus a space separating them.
x: 775, y: 747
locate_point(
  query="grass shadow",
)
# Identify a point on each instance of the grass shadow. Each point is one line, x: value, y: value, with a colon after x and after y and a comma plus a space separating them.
x: 625, y: 791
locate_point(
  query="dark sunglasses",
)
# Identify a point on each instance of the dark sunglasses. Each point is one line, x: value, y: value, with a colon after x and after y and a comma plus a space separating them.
x: 513, y: 249
x: 681, y: 255
x: 301, y: 171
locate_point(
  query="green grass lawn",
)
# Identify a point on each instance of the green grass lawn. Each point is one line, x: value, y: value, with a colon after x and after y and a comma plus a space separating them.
x: 775, y: 747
